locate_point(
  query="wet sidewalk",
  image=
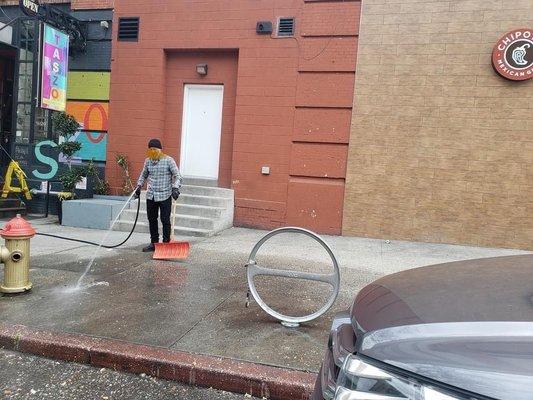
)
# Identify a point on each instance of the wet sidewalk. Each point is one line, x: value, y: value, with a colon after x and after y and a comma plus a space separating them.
x: 198, y: 305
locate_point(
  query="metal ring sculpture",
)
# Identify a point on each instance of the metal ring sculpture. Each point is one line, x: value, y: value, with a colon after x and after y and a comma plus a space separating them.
x: 254, y: 270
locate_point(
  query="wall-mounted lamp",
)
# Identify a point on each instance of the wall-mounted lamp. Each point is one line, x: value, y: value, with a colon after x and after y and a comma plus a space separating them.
x: 201, y: 69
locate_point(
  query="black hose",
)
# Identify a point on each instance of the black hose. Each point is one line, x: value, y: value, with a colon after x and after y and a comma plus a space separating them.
x: 98, y: 244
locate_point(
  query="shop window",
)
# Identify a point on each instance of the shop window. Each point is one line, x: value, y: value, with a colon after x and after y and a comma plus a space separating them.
x: 25, y: 82
x: 42, y: 123
x: 23, y: 123
x: 31, y: 123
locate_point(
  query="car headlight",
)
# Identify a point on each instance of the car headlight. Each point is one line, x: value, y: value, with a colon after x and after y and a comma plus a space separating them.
x: 359, y: 380
x: 340, y: 345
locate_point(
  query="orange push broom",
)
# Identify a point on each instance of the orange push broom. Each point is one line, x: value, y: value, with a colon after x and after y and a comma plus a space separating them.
x: 172, y: 250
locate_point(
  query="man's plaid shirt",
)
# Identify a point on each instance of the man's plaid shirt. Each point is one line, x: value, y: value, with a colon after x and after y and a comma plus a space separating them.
x: 163, y: 175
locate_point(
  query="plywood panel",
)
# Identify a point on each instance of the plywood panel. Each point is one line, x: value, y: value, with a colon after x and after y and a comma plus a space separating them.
x: 86, y: 85
x: 90, y: 115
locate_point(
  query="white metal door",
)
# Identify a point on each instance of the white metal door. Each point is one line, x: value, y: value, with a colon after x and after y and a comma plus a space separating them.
x: 201, y: 130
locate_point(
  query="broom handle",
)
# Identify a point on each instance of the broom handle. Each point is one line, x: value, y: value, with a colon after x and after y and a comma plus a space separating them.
x: 173, y: 220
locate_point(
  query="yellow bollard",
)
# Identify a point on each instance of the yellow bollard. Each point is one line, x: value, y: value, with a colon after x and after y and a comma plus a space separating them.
x: 16, y: 255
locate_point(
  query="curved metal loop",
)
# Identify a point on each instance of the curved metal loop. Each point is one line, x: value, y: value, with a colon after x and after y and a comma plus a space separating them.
x: 254, y: 270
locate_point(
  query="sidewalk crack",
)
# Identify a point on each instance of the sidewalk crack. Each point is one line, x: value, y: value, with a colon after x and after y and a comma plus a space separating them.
x: 203, y: 318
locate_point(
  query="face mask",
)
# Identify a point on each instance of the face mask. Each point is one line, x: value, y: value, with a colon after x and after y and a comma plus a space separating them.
x: 154, y: 153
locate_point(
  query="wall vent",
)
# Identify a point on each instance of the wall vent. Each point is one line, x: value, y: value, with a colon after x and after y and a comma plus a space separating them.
x: 286, y: 27
x: 128, y: 29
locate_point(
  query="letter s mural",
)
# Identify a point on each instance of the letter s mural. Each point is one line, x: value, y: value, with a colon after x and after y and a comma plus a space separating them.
x: 49, y: 161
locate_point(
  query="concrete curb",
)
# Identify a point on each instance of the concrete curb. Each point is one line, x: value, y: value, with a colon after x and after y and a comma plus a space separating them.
x: 192, y: 369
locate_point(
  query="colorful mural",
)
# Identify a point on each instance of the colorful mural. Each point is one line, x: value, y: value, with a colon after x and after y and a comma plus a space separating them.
x: 88, y: 85
x: 92, y: 116
x: 93, y: 146
x: 88, y: 102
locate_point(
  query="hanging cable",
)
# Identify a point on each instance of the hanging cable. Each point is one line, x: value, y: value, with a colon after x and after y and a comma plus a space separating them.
x: 98, y: 244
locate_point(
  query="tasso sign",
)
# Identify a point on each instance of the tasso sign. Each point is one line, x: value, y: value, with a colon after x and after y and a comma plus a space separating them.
x: 54, y: 69
x: 512, y: 56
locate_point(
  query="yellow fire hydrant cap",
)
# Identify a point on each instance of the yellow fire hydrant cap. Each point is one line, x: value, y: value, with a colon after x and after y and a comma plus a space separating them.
x: 17, y: 227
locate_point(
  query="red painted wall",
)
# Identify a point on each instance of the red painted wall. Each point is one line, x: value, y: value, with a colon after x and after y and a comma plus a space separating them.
x: 287, y: 101
x: 181, y: 70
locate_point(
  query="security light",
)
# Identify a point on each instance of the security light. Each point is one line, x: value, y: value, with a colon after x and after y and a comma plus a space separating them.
x: 201, y: 69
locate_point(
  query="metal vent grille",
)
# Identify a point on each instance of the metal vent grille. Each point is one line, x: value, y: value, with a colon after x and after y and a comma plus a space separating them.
x: 128, y: 29
x: 286, y: 27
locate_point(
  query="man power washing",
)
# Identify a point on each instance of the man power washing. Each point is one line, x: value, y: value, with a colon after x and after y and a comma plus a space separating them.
x: 164, y: 181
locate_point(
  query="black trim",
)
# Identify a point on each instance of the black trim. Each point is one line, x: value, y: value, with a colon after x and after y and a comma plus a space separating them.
x: 89, y: 100
x: 89, y: 70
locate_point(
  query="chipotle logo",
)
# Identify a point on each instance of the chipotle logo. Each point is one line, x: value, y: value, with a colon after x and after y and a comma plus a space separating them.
x: 512, y: 57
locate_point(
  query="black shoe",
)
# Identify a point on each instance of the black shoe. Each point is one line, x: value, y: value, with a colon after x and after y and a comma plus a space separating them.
x: 149, y: 248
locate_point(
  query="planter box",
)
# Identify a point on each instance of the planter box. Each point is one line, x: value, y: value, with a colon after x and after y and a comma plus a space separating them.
x: 91, y: 213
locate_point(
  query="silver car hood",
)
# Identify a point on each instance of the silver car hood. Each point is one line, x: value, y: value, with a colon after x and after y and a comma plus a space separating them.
x: 494, y: 359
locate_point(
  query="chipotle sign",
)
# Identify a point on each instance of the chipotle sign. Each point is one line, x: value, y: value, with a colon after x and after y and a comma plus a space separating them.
x: 512, y: 56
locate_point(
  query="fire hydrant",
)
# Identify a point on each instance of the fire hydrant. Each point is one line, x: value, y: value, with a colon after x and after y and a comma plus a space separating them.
x: 15, y: 255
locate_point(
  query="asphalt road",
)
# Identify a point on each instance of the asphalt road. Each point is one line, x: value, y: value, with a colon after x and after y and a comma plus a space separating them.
x: 24, y: 376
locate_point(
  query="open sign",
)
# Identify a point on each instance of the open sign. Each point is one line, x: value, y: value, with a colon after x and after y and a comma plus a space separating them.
x: 29, y: 7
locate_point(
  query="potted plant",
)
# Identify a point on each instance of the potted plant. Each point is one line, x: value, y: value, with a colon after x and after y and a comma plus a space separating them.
x: 99, y: 185
x: 65, y: 126
x: 127, y: 186
x: 69, y: 180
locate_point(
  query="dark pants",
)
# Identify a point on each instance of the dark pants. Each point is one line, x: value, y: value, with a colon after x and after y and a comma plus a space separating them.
x: 152, y: 209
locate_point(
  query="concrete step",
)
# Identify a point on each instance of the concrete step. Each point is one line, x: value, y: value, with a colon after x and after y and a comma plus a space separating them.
x: 200, y: 182
x: 192, y: 199
x: 187, y: 221
x: 187, y: 209
x: 218, y: 204
x: 201, y: 211
x: 211, y: 201
x: 201, y: 191
x: 142, y: 227
x: 206, y: 191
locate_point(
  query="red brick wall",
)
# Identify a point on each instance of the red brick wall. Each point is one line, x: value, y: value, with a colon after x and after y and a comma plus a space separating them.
x: 91, y: 4
x: 292, y: 104
x: 75, y: 4
x: 324, y: 97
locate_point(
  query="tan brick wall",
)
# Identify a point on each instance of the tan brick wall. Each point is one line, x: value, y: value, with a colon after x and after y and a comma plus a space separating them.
x: 441, y: 148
